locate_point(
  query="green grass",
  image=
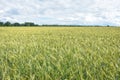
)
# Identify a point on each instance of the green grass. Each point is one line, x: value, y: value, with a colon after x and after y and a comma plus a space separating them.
x: 65, y: 53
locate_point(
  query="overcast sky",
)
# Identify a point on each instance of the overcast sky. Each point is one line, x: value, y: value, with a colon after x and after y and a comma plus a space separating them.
x: 85, y: 12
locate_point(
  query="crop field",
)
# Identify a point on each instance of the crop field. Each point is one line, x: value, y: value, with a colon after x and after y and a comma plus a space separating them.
x: 59, y: 53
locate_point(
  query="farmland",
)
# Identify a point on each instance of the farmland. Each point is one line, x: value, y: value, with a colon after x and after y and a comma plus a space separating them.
x: 59, y: 53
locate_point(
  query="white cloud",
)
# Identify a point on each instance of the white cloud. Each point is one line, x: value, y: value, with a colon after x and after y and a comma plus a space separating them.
x: 87, y: 12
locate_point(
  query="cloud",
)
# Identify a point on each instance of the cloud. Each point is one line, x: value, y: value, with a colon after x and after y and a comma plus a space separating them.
x: 86, y: 12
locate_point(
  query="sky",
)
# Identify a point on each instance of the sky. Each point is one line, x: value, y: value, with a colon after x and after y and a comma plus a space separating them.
x: 73, y: 12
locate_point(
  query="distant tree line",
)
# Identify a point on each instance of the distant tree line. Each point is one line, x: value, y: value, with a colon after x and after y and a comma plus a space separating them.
x: 45, y: 25
x: 17, y: 24
x: 54, y: 25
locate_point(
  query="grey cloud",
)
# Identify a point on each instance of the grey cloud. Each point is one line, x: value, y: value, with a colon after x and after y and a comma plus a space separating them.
x: 61, y: 11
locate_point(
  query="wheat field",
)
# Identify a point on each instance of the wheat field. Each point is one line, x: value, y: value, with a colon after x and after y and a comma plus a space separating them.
x: 59, y: 53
